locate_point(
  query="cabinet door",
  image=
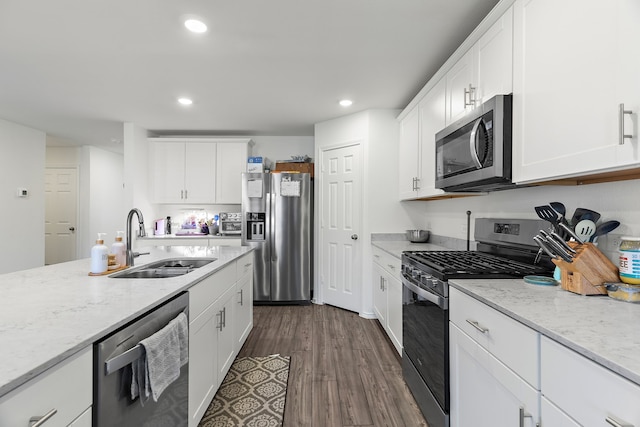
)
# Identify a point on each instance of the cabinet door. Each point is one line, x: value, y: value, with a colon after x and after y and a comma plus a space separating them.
x: 570, y: 76
x: 459, y: 78
x: 432, y: 120
x: 225, y: 309
x: 604, y: 396
x: 166, y: 167
x: 408, y: 155
x: 379, y: 294
x: 394, y: 311
x: 551, y: 415
x: 200, y: 172
x: 484, y: 392
x: 231, y: 162
x: 244, y: 309
x: 494, y: 59
x: 203, y: 363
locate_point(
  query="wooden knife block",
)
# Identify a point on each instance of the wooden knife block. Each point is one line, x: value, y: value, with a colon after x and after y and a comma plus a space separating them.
x: 588, y: 272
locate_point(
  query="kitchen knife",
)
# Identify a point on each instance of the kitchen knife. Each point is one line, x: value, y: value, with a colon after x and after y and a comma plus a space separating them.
x: 545, y: 247
x: 571, y: 233
x: 556, y: 247
x: 564, y: 244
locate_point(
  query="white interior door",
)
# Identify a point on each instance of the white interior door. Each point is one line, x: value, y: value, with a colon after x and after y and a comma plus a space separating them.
x: 61, y: 206
x: 341, y: 201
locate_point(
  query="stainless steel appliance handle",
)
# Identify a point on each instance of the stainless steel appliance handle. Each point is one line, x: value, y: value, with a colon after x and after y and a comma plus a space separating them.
x: 115, y: 364
x: 441, y: 302
x: 621, y: 113
x: 616, y: 422
x: 40, y: 420
x: 472, y: 143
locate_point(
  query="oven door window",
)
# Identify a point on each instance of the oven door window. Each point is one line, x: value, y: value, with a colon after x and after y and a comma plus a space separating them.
x: 467, y: 149
x: 425, y: 337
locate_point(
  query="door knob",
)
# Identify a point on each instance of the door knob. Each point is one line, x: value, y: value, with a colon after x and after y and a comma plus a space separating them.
x: 354, y: 237
x: 72, y: 229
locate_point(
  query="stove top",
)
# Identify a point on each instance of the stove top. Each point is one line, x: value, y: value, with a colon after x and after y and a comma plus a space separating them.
x: 472, y: 265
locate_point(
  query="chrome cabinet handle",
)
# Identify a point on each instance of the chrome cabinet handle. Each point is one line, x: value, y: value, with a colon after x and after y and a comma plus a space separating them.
x: 621, y: 113
x: 224, y: 317
x: 219, y: 327
x: 616, y: 422
x: 477, y: 326
x: 186, y: 194
x: 381, y: 283
x: 524, y: 415
x: 38, y: 421
x: 393, y: 267
x: 241, y: 302
x: 469, y: 92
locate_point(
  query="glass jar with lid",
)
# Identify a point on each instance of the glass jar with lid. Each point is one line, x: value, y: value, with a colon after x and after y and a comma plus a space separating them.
x: 630, y: 260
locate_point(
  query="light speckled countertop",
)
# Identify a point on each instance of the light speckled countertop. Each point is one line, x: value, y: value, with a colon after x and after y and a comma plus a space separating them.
x: 396, y: 247
x: 187, y: 236
x: 600, y: 328
x: 49, y: 313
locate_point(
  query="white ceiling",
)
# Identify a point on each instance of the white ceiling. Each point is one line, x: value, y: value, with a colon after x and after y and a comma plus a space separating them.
x: 78, y: 69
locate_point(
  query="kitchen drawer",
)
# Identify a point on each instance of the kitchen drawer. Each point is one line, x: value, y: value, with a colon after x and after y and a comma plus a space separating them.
x: 387, y: 261
x: 206, y: 292
x: 511, y: 342
x: 66, y: 387
x: 585, y: 390
x: 245, y: 265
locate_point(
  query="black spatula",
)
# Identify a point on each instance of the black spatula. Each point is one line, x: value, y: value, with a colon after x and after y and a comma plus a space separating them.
x: 547, y: 213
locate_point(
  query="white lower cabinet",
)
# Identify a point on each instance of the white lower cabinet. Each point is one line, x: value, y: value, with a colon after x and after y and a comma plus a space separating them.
x: 553, y: 416
x: 387, y: 295
x: 584, y: 391
x: 484, y: 391
x: 64, y: 390
x: 220, y: 308
x: 494, y: 366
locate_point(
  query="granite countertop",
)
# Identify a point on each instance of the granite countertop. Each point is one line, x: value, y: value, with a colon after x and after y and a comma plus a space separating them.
x: 50, y: 313
x: 600, y: 328
x: 187, y: 236
x: 396, y: 247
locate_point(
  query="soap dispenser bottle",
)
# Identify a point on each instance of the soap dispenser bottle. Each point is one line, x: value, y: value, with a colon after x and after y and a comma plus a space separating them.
x: 99, y: 256
x: 119, y: 249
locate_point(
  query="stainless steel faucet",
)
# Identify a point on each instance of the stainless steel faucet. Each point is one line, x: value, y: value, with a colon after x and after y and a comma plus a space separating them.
x: 130, y: 254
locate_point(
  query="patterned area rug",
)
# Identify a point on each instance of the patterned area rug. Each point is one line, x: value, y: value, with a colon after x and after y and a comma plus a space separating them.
x: 252, y: 394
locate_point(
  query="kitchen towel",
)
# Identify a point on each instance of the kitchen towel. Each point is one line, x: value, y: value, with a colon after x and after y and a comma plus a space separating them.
x: 164, y: 353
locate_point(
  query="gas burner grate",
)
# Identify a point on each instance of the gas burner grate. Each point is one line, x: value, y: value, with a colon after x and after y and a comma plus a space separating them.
x: 473, y: 264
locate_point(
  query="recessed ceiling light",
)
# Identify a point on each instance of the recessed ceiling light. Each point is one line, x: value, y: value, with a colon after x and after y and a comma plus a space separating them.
x: 195, y: 25
x: 185, y: 101
x: 346, y: 102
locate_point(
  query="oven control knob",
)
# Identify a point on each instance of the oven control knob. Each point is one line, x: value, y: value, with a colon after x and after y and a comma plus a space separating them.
x: 415, y: 273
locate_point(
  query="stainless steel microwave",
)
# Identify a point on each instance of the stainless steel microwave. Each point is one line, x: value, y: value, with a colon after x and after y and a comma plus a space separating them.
x: 473, y: 154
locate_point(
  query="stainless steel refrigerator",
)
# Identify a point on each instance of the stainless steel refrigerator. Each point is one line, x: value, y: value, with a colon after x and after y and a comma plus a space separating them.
x: 277, y: 210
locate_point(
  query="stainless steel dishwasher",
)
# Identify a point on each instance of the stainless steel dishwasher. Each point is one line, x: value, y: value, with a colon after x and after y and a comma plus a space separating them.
x: 112, y: 374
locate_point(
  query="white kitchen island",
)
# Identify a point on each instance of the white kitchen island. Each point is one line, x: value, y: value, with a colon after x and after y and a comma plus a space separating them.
x: 51, y: 314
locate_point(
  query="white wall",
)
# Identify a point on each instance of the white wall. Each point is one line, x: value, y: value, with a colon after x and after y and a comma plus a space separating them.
x: 282, y: 147
x: 618, y: 200
x: 101, y: 197
x: 22, y: 162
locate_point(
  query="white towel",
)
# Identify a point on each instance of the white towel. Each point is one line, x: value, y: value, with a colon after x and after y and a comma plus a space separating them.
x: 165, y: 352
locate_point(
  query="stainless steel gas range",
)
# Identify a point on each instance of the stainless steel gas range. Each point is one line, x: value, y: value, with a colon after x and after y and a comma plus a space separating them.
x: 506, y: 249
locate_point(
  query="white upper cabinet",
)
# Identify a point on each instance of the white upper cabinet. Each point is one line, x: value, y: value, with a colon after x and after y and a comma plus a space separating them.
x: 432, y: 120
x: 575, y: 63
x: 484, y: 71
x: 461, y: 87
x: 202, y: 171
x: 408, y: 155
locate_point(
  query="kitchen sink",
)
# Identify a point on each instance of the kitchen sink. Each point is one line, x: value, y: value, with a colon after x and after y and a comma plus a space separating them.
x: 165, y: 268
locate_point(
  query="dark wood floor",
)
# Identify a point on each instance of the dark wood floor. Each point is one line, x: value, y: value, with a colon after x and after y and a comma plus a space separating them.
x: 344, y: 370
